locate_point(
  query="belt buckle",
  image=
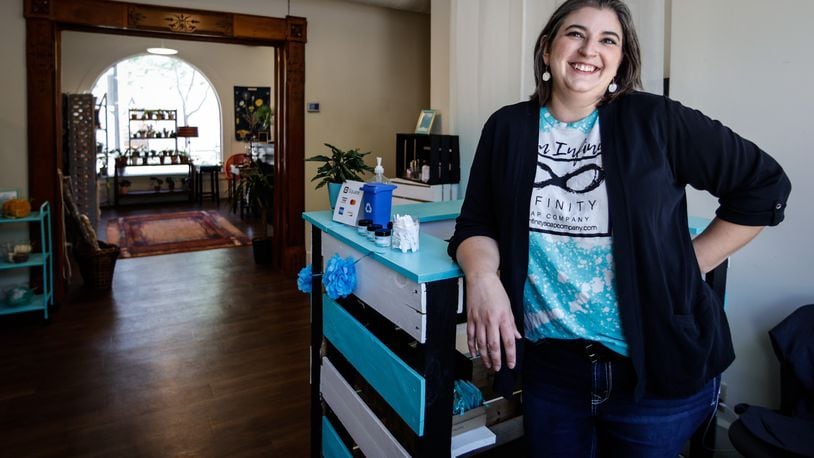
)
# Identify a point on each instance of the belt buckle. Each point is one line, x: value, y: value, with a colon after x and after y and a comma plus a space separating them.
x: 592, y: 352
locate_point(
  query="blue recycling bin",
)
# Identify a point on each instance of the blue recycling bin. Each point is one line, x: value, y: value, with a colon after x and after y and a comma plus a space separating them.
x: 377, y: 201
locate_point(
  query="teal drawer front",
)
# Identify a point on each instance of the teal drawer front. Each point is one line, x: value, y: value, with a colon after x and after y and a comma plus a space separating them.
x: 332, y: 445
x: 396, y: 382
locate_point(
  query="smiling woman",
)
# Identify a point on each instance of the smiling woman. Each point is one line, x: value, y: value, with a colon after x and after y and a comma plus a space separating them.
x: 622, y: 342
x: 610, y: 29
x: 584, y: 57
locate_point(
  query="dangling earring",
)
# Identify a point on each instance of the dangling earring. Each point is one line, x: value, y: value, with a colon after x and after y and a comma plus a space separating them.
x: 612, y: 87
x: 546, y: 76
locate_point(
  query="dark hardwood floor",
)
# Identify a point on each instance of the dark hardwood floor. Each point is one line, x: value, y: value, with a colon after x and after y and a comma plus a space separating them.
x: 192, y: 354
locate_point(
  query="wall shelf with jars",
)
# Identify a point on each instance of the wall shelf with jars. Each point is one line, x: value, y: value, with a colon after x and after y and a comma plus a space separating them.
x: 147, y: 129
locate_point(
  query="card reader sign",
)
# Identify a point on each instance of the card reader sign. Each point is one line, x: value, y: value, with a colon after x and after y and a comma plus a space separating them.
x: 348, y: 203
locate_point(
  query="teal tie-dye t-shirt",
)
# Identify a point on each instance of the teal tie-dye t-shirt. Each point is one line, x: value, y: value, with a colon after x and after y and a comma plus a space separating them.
x: 570, y: 291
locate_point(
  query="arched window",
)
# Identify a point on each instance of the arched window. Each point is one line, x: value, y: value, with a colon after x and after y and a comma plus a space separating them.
x: 155, y: 82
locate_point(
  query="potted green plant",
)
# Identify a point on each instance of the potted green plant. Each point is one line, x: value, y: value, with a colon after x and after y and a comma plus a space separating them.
x: 133, y: 156
x: 256, y: 186
x: 259, y: 121
x: 102, y: 156
x: 339, y: 167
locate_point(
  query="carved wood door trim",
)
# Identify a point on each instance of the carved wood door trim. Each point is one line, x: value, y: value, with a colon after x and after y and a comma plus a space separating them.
x: 45, y: 19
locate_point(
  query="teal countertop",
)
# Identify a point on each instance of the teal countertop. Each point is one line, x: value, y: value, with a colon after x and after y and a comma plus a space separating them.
x: 431, y: 211
x: 697, y: 224
x: 431, y: 262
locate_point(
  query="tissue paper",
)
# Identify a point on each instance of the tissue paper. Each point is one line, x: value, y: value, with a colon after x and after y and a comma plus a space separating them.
x: 405, y: 233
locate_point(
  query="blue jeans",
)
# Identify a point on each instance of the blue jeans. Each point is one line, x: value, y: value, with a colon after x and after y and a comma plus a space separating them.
x: 575, y: 407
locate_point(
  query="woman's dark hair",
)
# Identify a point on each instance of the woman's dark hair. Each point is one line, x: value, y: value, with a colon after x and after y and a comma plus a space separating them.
x: 629, y: 75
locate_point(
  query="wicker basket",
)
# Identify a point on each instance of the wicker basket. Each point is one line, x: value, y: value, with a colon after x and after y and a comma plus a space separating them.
x: 97, y: 267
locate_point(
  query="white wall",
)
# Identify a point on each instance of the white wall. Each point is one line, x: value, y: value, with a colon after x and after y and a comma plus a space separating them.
x: 224, y: 65
x: 749, y: 64
x: 485, y: 49
x: 440, y: 64
x: 649, y: 19
x: 13, y: 113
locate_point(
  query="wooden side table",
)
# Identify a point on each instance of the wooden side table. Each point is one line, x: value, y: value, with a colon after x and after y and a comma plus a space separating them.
x: 214, y: 186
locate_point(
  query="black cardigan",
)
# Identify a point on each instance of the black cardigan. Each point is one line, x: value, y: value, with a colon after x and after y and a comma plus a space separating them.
x: 652, y: 147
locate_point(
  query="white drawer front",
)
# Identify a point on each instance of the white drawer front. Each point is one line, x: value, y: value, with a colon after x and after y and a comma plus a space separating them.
x: 366, y: 429
x: 418, y: 191
x: 400, y: 300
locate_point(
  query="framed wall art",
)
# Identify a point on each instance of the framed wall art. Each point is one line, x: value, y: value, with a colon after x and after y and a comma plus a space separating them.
x: 425, y: 120
x: 252, y: 113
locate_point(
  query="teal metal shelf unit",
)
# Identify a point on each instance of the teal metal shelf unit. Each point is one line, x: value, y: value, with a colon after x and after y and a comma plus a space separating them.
x: 43, y: 259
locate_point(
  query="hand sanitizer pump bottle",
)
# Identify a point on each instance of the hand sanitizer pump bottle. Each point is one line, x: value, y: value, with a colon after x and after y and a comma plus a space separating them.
x: 378, y: 196
x: 378, y: 173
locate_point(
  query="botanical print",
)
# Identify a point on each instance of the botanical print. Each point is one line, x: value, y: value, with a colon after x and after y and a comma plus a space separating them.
x: 252, y: 113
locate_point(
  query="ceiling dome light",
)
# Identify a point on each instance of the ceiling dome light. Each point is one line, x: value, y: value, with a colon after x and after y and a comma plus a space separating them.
x: 162, y: 51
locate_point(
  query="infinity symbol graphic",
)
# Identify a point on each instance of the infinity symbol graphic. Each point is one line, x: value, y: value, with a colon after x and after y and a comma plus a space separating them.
x: 582, y: 180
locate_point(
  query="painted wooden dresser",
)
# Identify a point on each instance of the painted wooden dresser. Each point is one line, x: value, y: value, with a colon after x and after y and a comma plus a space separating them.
x: 382, y: 360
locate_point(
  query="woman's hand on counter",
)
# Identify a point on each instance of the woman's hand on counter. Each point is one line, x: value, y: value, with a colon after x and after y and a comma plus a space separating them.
x: 489, y: 321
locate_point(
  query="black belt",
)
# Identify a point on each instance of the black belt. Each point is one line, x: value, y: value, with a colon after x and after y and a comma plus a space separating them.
x: 591, y: 350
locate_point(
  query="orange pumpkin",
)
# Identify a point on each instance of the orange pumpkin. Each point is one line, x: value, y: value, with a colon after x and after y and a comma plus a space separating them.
x: 16, y: 208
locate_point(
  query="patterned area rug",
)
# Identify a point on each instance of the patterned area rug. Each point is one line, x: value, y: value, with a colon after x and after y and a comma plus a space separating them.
x: 165, y: 233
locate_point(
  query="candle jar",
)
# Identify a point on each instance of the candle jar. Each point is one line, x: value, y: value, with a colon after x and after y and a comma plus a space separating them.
x: 361, y: 226
x: 371, y: 231
x: 383, y: 237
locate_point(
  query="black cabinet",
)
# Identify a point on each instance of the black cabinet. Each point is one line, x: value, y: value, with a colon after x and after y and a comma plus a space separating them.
x: 439, y: 153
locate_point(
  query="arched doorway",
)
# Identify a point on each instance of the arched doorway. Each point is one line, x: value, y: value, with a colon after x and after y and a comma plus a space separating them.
x: 46, y: 19
x: 165, y: 82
